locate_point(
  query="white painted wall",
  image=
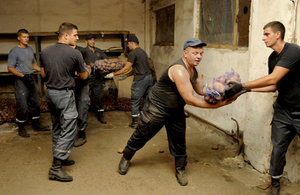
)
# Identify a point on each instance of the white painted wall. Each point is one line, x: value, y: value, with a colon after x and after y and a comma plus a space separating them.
x: 253, y: 111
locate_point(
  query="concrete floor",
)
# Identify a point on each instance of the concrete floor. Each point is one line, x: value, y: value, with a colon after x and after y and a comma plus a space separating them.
x: 24, y: 163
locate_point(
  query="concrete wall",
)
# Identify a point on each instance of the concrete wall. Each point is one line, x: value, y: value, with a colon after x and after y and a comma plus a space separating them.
x: 253, y: 111
x: 88, y: 15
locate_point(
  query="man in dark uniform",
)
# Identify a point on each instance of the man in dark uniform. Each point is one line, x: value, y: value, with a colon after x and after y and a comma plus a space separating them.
x: 96, y: 79
x: 21, y: 63
x: 143, y: 80
x: 82, y: 100
x: 59, y: 64
x: 284, y: 76
x: 165, y: 106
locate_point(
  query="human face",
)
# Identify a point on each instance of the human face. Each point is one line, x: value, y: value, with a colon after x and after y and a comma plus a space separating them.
x: 130, y: 45
x: 90, y: 42
x: 73, y: 37
x: 23, y: 39
x: 270, y: 38
x: 193, y: 55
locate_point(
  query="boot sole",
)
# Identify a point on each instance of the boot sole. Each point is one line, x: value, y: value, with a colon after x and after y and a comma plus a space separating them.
x: 54, y: 177
x: 77, y: 145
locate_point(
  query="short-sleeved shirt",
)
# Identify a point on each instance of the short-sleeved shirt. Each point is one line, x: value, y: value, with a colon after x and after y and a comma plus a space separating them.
x: 97, y: 55
x: 289, y: 86
x: 165, y: 96
x: 60, y: 61
x: 84, y: 53
x: 21, y: 59
x: 140, y: 66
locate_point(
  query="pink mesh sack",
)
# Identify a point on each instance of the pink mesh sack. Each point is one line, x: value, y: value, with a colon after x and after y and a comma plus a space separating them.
x: 215, y: 90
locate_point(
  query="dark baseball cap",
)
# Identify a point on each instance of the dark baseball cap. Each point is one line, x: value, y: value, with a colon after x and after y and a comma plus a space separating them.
x: 193, y: 42
x: 89, y: 36
x: 133, y: 39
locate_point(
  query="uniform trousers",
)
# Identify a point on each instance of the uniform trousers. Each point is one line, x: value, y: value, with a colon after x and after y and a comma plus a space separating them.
x: 63, y: 115
x: 285, y: 125
x: 150, y: 123
x: 139, y: 90
x: 26, y: 97
x: 96, y: 86
x: 82, y: 103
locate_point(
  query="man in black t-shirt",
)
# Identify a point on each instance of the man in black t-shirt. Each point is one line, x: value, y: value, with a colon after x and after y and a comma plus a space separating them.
x: 143, y: 80
x: 59, y: 62
x: 284, y: 76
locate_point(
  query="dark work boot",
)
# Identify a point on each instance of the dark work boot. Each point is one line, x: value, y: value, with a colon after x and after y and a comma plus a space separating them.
x: 134, y: 123
x: 275, y: 187
x: 38, y: 127
x: 81, y: 139
x: 56, y: 172
x: 101, y: 118
x: 22, y: 132
x: 180, y: 164
x: 124, y: 165
x: 181, y: 177
x: 67, y: 162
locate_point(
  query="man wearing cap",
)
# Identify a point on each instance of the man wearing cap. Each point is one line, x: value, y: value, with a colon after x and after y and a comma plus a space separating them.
x: 164, y: 106
x: 96, y: 79
x: 143, y: 80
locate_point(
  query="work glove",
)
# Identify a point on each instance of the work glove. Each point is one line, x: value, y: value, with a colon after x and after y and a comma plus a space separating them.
x: 109, y: 76
x: 27, y: 78
x: 122, y: 77
x: 233, y: 89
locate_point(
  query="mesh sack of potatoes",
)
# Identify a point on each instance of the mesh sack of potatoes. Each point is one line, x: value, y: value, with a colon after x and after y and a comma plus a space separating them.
x: 215, y: 90
x: 109, y: 64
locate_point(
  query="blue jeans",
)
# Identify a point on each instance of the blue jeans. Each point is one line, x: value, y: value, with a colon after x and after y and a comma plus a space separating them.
x: 139, y: 90
x: 63, y: 115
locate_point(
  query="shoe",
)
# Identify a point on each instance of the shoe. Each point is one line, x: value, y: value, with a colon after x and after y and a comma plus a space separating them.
x: 181, y: 177
x: 123, y: 166
x: 275, y: 188
x: 39, y: 127
x: 67, y: 162
x: 57, y: 173
x: 134, y: 123
x: 101, y: 118
x: 22, y: 132
x: 81, y: 139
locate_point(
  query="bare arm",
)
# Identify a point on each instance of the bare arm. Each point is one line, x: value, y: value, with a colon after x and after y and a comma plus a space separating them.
x: 199, y: 85
x: 124, y: 70
x: 43, y: 73
x: 14, y: 72
x: 36, y: 67
x: 181, y: 77
x: 268, y: 83
x: 83, y: 75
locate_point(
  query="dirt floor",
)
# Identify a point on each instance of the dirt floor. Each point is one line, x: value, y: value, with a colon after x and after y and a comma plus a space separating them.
x: 24, y: 163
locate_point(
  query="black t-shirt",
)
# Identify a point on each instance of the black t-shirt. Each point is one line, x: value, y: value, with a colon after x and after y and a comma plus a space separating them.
x: 84, y: 53
x: 140, y: 66
x: 60, y: 62
x: 289, y: 86
x: 165, y: 95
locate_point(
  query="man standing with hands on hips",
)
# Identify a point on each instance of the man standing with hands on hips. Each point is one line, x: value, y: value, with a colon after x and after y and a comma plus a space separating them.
x: 59, y: 64
x: 143, y: 80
